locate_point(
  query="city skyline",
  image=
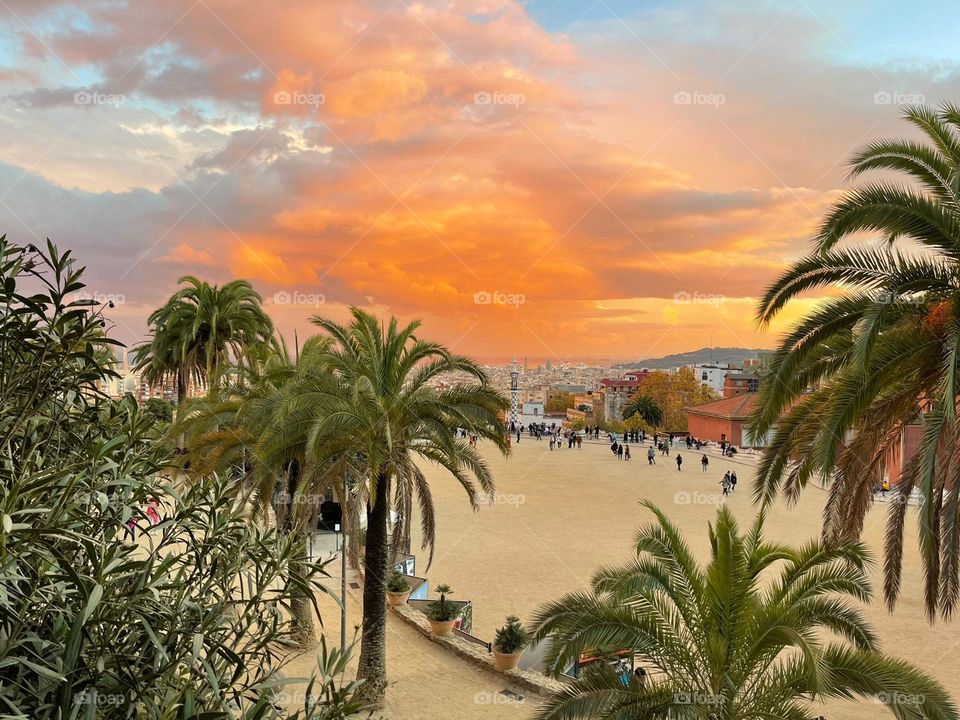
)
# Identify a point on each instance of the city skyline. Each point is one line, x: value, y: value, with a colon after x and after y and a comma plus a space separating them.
x: 544, y: 178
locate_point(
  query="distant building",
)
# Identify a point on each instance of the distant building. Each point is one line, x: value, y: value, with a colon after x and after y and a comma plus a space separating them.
x: 711, y: 375
x: 532, y: 410
x: 616, y: 392
x: 572, y: 389
x: 741, y: 383
x: 723, y: 420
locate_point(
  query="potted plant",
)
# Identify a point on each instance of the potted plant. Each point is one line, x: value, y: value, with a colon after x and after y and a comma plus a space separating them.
x: 398, y: 589
x: 509, y: 643
x: 441, y: 613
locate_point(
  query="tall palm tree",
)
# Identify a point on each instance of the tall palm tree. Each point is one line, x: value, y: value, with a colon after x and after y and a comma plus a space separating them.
x: 381, y: 408
x: 645, y: 407
x: 759, y: 632
x: 234, y: 430
x: 854, y: 373
x: 198, y: 329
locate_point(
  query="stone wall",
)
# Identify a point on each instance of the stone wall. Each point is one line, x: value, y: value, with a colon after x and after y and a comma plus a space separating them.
x: 528, y: 680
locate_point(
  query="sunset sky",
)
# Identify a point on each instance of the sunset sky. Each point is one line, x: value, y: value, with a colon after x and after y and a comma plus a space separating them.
x: 570, y: 180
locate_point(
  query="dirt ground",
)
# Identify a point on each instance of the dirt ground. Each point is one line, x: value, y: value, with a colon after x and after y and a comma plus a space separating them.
x: 558, y: 516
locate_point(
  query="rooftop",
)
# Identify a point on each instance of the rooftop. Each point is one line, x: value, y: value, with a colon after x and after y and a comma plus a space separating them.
x: 732, y: 408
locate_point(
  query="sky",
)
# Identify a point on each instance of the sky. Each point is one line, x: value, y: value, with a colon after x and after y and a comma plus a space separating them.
x: 545, y: 179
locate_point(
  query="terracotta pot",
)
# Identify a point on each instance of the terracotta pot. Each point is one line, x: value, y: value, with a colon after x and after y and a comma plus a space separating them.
x: 506, y: 661
x: 442, y: 628
x: 397, y: 598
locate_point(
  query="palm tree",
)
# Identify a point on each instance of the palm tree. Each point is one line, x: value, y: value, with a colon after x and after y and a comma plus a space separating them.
x: 646, y: 407
x: 380, y: 408
x: 759, y: 632
x: 854, y: 373
x: 198, y: 329
x: 234, y: 431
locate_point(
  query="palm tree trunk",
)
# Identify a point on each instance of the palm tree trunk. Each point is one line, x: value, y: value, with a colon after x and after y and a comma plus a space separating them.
x: 301, y: 606
x: 301, y: 610
x: 181, y: 392
x: 372, y: 666
x: 181, y: 401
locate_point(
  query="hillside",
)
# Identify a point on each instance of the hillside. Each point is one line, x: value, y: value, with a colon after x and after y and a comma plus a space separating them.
x: 731, y: 355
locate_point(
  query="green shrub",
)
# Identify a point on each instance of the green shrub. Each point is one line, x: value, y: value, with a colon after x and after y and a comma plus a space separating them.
x: 511, y: 637
x: 442, y: 610
x: 397, y: 583
x: 189, y: 619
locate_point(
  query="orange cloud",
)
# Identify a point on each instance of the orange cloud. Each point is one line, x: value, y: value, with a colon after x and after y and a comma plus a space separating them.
x: 421, y: 157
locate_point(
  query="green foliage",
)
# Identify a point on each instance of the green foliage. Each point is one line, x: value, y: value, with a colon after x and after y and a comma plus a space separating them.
x: 354, y: 409
x: 644, y: 408
x: 558, y: 402
x: 511, y: 637
x: 882, y: 354
x: 397, y: 583
x: 189, y: 619
x: 198, y: 330
x: 759, y: 632
x: 159, y: 409
x: 671, y: 393
x: 442, y: 610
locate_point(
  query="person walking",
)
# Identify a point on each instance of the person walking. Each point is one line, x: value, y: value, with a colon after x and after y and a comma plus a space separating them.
x: 726, y: 484
x: 704, y: 462
x: 619, y: 452
x: 626, y: 452
x: 733, y: 481
x: 651, y: 456
x: 679, y: 461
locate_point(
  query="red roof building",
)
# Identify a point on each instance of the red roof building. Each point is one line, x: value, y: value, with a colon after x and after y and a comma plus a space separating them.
x: 722, y: 420
x: 616, y: 392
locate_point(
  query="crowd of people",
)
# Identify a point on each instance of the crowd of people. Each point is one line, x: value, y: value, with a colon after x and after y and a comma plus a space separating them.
x: 663, y: 444
x: 557, y: 436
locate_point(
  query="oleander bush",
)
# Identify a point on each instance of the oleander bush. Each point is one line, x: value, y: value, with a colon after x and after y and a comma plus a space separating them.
x: 103, y: 613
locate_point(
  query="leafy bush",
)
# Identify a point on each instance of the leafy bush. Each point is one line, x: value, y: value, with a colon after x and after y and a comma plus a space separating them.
x: 188, y: 619
x: 397, y: 583
x: 161, y: 410
x: 442, y: 610
x: 511, y: 638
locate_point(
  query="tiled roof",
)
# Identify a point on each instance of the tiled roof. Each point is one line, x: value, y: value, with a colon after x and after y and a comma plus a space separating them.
x: 732, y: 408
x: 619, y: 383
